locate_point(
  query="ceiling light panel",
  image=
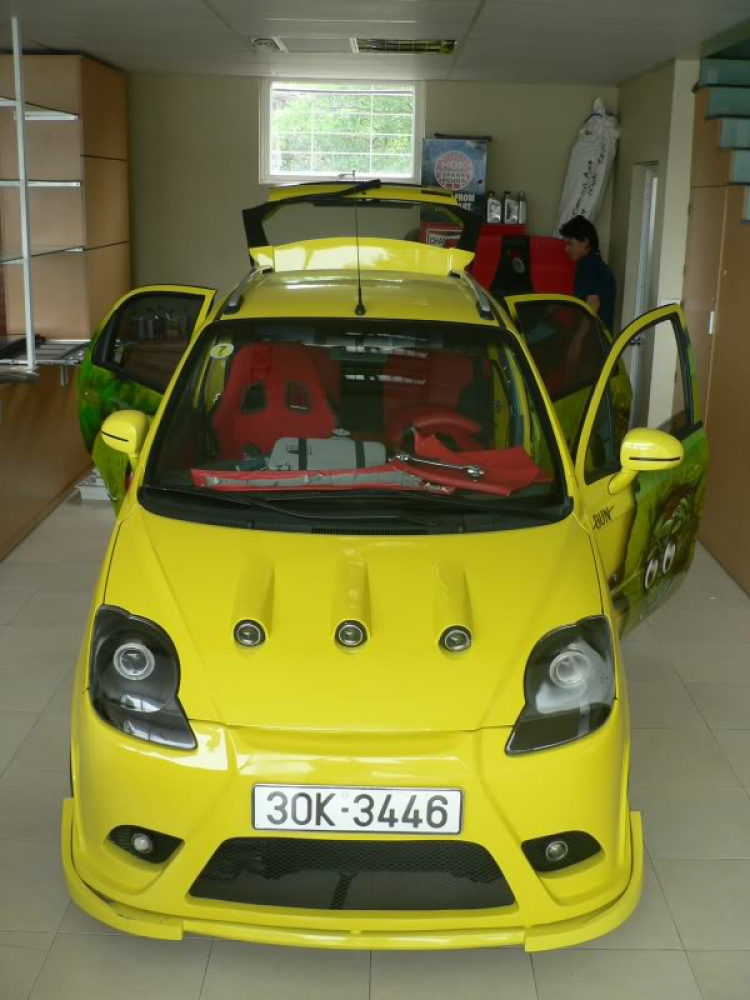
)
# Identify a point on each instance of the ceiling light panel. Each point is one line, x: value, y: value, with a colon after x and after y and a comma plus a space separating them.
x: 346, y: 17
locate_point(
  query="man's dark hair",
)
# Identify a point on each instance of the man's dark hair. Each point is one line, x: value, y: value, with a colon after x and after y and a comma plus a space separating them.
x: 579, y: 228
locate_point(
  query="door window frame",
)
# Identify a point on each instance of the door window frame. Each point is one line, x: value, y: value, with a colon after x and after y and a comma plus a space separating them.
x: 104, y: 341
x: 649, y: 319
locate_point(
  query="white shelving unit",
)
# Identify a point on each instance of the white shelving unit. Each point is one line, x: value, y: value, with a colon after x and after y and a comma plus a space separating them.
x: 20, y: 361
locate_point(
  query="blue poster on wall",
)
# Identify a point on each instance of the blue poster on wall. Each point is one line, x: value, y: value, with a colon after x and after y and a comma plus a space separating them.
x: 458, y: 165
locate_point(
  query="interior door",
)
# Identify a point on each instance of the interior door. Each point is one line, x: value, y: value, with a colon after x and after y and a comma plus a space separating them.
x: 702, y: 270
x: 130, y: 362
x: 646, y: 533
x: 568, y: 343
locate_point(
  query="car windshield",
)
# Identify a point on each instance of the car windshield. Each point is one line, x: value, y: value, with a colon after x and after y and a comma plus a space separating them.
x: 359, y: 410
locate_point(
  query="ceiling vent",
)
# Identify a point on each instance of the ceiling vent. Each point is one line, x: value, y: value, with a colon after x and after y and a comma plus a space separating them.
x: 429, y: 47
x: 268, y: 44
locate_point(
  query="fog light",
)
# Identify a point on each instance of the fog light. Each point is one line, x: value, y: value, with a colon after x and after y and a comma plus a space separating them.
x: 351, y: 634
x: 556, y: 851
x: 142, y: 843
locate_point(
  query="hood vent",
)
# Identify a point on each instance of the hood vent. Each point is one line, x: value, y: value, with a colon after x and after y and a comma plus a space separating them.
x: 431, y: 47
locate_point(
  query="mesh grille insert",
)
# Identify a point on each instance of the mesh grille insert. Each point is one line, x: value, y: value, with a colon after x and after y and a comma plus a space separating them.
x: 354, y: 875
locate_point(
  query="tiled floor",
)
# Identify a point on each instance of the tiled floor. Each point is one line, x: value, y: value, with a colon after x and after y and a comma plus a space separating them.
x: 689, y: 673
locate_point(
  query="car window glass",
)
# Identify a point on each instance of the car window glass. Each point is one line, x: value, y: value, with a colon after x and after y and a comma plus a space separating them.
x: 147, y: 336
x: 649, y: 388
x: 568, y: 345
x: 365, y: 404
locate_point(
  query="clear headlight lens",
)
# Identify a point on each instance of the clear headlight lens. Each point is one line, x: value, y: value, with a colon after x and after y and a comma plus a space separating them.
x: 569, y: 686
x: 135, y: 678
x: 134, y: 661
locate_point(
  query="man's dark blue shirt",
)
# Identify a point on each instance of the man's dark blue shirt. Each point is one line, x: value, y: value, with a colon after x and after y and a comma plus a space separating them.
x: 593, y: 277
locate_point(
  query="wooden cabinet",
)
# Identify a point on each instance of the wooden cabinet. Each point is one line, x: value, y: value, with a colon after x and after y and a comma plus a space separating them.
x: 716, y: 299
x: 41, y: 454
x: 726, y: 528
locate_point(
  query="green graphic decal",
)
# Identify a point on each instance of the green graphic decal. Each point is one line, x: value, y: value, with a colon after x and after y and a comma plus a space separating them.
x: 662, y: 540
x: 101, y: 392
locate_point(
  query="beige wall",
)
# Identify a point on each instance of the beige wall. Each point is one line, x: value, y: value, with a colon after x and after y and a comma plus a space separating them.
x: 533, y: 129
x: 194, y: 167
x: 656, y: 120
x: 194, y: 161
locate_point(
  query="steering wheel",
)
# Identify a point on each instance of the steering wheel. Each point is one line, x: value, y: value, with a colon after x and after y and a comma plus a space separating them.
x: 438, y: 420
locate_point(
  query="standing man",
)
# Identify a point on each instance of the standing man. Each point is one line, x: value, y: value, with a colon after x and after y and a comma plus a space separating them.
x: 594, y: 282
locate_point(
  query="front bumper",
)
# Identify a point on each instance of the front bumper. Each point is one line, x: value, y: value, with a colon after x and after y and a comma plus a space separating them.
x: 332, y: 934
x: 203, y: 798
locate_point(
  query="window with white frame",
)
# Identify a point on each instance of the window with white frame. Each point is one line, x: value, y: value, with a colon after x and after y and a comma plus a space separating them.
x: 319, y: 129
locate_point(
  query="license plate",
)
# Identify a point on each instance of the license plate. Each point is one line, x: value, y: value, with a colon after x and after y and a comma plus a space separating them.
x: 323, y: 809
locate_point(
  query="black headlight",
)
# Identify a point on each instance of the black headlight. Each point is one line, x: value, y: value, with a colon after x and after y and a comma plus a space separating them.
x: 135, y: 678
x: 569, y: 686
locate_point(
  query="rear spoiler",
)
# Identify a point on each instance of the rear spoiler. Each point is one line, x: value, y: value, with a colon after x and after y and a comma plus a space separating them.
x: 372, y: 190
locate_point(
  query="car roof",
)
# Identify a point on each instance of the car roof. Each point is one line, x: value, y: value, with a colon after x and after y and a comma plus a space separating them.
x: 385, y: 294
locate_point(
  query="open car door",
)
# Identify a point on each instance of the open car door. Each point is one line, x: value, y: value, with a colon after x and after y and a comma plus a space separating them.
x: 645, y: 524
x: 130, y: 362
x: 569, y: 343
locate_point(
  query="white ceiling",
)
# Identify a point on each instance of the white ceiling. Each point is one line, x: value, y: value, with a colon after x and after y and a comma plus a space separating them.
x: 570, y: 41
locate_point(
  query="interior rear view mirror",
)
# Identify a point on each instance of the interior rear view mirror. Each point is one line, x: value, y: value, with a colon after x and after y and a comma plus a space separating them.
x: 644, y: 450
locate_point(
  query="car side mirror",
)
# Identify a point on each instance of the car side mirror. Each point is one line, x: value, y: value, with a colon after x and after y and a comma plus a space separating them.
x: 126, y: 431
x: 644, y: 450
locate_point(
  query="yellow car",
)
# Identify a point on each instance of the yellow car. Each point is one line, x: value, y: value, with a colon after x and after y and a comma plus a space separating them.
x: 352, y: 674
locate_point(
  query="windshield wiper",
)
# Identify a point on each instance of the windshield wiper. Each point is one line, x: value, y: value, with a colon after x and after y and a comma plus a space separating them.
x: 490, y: 504
x: 225, y: 499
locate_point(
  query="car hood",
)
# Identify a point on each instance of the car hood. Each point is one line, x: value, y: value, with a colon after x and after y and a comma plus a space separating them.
x: 508, y: 587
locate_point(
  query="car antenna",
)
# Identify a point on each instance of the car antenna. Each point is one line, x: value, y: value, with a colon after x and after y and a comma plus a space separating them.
x: 359, y: 309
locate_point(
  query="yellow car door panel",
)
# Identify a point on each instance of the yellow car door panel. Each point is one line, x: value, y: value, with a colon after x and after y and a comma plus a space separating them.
x: 130, y: 362
x: 646, y: 533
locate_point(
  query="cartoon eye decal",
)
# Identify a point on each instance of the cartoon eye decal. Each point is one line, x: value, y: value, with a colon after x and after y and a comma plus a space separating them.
x: 652, y: 571
x: 667, y: 560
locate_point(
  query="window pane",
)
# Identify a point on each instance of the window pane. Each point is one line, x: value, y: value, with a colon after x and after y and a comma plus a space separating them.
x: 397, y: 166
x: 392, y: 144
x: 568, y: 346
x: 392, y: 123
x: 341, y: 143
x: 342, y: 125
x: 147, y: 337
x: 292, y: 143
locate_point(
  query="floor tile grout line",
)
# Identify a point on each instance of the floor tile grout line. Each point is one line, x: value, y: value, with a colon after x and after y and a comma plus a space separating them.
x: 672, y: 916
x: 56, y: 934
x: 533, y: 977
x: 205, y: 971
x: 369, y: 978
x: 723, y: 752
x: 25, y: 604
x: 695, y: 975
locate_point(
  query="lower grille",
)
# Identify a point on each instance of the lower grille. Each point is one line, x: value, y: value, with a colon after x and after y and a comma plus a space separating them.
x: 354, y: 875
